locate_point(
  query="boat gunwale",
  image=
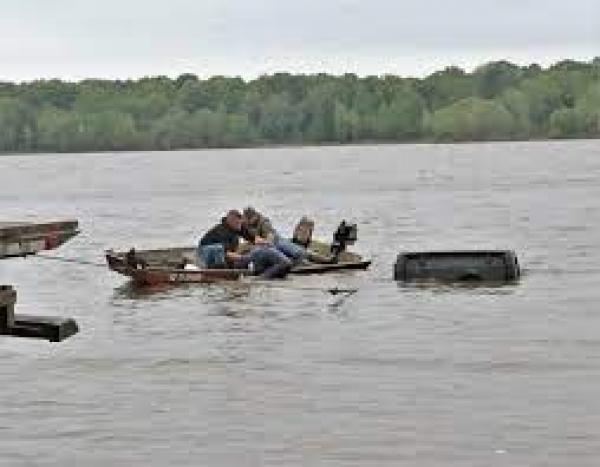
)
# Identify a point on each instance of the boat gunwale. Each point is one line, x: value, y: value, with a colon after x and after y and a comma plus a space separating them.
x: 116, y: 262
x: 123, y: 268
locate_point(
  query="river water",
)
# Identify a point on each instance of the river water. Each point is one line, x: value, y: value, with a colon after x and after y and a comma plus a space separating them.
x: 252, y: 376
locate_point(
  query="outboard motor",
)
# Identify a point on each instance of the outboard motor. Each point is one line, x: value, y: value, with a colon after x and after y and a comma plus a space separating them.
x: 346, y: 234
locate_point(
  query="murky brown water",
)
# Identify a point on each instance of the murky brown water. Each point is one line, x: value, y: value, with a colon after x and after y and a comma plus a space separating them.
x: 237, y: 376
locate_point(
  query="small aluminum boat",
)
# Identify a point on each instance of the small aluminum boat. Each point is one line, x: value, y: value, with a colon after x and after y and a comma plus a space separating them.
x: 168, y: 266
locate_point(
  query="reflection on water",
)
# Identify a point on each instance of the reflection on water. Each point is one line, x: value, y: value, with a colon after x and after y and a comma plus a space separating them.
x: 474, y: 287
x: 224, y: 291
x: 252, y: 374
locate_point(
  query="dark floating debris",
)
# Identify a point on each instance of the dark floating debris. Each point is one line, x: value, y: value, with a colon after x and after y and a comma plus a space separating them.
x: 339, y: 291
x: 53, y: 329
x: 458, y: 266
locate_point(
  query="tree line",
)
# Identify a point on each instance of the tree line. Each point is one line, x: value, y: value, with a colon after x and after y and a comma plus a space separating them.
x: 497, y: 101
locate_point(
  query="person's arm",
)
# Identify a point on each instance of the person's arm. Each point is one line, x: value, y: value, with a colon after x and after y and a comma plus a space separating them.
x: 267, y: 232
x: 247, y: 235
x: 232, y: 255
x: 261, y: 241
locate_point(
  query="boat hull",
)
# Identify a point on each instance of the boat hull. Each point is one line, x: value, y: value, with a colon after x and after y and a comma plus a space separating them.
x: 163, y: 266
x: 152, y: 276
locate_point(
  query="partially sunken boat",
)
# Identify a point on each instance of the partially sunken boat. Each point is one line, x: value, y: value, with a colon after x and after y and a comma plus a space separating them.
x: 168, y: 266
x: 490, y: 266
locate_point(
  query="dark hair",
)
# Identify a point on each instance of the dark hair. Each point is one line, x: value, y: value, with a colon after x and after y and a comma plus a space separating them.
x: 250, y: 212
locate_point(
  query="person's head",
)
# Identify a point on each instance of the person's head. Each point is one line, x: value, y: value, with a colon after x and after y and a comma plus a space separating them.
x: 251, y: 216
x: 233, y: 219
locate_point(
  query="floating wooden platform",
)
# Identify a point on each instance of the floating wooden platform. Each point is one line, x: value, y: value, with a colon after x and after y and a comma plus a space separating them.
x: 8, y: 298
x: 23, y: 239
x: 53, y: 329
x: 26, y: 238
x: 50, y: 328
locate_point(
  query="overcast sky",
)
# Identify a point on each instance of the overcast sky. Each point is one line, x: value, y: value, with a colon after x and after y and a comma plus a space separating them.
x: 76, y: 39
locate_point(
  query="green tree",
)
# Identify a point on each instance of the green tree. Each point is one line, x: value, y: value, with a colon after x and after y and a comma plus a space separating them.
x: 517, y: 103
x: 472, y: 119
x: 445, y: 87
x: 319, y: 114
x: 279, y: 121
x: 17, y: 125
x: 568, y: 123
x: 402, y: 118
x: 346, y: 123
x: 58, y: 130
x: 544, y: 96
x: 492, y: 79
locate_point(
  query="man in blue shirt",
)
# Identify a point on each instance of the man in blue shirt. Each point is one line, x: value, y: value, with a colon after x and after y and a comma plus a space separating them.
x: 218, y: 248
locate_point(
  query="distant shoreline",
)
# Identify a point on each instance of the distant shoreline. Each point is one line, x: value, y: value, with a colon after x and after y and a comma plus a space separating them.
x: 307, y: 146
x: 498, y: 101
